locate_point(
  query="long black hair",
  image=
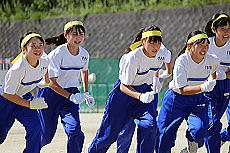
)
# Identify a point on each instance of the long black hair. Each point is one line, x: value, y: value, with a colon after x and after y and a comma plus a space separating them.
x: 218, y: 23
x: 136, y: 38
x: 60, y: 39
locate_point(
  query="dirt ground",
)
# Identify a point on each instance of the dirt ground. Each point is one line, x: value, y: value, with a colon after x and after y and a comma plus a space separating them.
x: 90, y: 122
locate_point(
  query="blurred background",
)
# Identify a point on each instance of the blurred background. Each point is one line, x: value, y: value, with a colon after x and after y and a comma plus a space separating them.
x: 110, y: 28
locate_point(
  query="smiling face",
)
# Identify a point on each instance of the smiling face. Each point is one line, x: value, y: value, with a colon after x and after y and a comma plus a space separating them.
x: 223, y: 34
x: 75, y: 38
x: 34, y: 49
x: 150, y: 47
x: 199, y: 50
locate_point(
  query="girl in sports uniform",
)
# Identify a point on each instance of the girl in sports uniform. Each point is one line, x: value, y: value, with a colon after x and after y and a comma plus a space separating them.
x: 218, y: 30
x: 164, y: 56
x: 68, y: 62
x: 132, y: 97
x: 185, y: 96
x: 17, y: 102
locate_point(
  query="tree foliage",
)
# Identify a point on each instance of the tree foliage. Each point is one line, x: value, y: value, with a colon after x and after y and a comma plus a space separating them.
x: 27, y: 9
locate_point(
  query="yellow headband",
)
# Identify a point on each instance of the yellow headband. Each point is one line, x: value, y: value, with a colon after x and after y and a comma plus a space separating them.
x: 197, y: 37
x: 219, y: 17
x: 135, y: 45
x: 151, y: 33
x: 24, y: 41
x: 72, y: 23
x: 28, y: 37
x: 16, y: 58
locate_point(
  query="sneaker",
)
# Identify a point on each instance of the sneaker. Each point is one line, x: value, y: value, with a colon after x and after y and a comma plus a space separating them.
x: 192, y: 147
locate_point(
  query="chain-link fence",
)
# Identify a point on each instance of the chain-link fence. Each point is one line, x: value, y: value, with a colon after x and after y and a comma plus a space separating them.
x: 5, y: 64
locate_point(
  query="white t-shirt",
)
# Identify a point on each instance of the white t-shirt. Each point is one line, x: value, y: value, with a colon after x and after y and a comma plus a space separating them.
x: 22, y: 77
x: 67, y: 67
x: 223, y: 53
x: 188, y: 73
x: 136, y: 68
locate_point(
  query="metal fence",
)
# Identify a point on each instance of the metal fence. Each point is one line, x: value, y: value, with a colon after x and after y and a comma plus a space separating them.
x: 100, y: 93
x: 99, y: 87
x: 4, y: 67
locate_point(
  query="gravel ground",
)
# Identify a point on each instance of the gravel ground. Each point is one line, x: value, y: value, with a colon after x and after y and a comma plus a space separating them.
x: 90, y: 122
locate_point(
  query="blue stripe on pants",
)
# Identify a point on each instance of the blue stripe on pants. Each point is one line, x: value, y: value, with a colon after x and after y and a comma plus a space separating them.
x: 175, y: 108
x: 69, y: 113
x: 225, y: 133
x: 125, y: 136
x: 218, y: 104
x: 124, y: 139
x: 120, y: 108
x: 27, y: 117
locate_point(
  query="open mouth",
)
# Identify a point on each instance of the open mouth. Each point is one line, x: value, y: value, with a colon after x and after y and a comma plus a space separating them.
x: 37, y: 54
x: 226, y: 37
x: 202, y: 53
x: 77, y: 42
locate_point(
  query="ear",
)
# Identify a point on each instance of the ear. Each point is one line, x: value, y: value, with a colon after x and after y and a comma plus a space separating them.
x: 142, y: 41
x: 213, y: 30
x: 188, y: 45
x: 65, y: 35
x: 23, y: 49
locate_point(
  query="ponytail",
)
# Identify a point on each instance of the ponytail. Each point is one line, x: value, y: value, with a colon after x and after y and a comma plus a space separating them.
x: 182, y: 51
x: 208, y: 29
x: 136, y: 39
x: 56, y: 40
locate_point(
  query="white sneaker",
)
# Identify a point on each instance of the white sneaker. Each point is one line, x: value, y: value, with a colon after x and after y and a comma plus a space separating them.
x: 192, y: 147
